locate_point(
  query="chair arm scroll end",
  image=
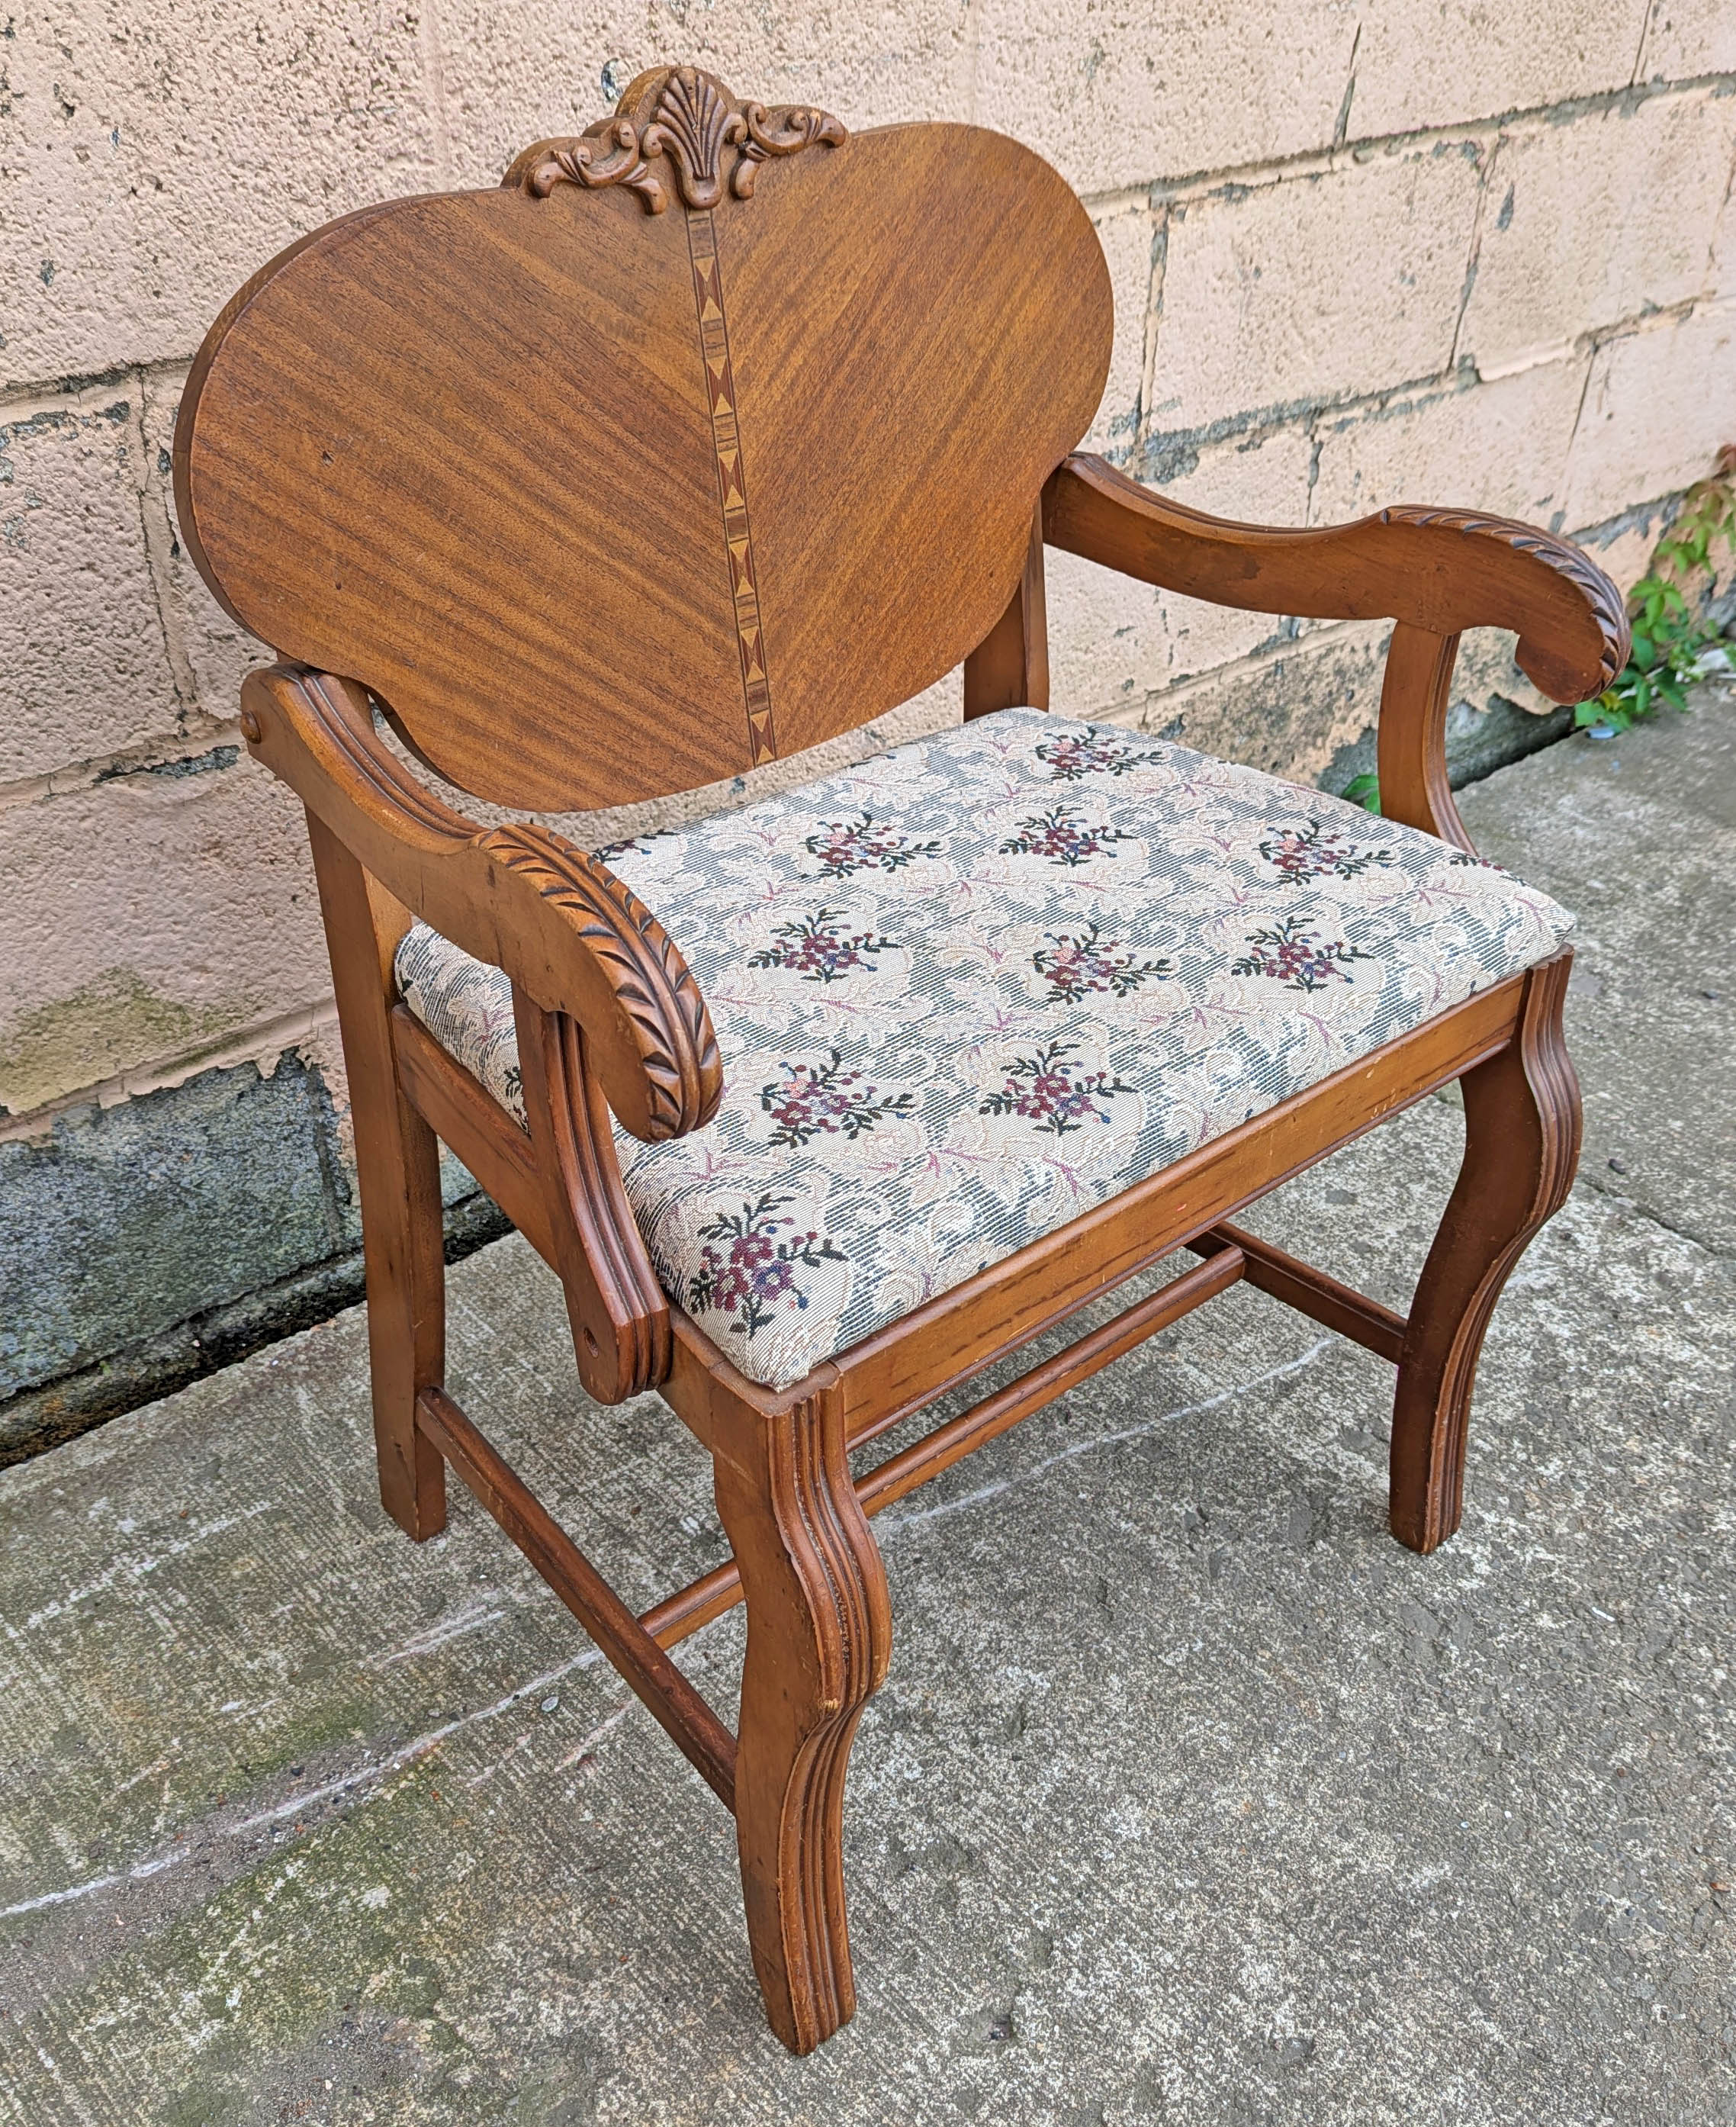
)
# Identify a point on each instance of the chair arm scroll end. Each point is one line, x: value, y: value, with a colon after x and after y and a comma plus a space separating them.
x: 656, y: 1053
x: 556, y: 919
x: 1572, y: 628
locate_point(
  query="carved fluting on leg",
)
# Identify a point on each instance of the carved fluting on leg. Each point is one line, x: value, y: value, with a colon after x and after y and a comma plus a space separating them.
x: 1522, y: 1125
x: 819, y: 1635
x: 620, y: 1318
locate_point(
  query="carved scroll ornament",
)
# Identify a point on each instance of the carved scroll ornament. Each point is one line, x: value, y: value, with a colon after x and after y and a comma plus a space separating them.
x: 683, y: 119
x: 1600, y: 595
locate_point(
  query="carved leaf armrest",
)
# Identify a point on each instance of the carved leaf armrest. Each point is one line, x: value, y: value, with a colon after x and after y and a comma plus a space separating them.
x: 569, y: 933
x: 1443, y: 570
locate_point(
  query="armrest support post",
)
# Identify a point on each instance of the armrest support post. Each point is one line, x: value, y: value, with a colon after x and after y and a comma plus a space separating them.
x: 1009, y: 668
x: 1432, y: 572
x: 1410, y: 737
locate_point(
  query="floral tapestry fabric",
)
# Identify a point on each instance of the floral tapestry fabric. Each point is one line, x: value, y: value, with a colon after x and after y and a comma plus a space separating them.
x: 969, y: 989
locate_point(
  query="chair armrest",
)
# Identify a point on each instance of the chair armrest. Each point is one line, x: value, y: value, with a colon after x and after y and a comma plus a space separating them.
x: 573, y: 937
x: 1441, y: 569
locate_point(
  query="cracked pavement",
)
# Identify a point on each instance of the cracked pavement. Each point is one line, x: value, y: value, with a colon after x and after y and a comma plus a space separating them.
x: 1190, y: 1795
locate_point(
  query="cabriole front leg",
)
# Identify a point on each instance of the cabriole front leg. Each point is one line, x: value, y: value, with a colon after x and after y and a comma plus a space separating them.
x: 1522, y: 1146
x: 819, y: 1635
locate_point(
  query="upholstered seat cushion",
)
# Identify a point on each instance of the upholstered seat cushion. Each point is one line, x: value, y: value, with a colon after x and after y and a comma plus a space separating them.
x: 972, y: 987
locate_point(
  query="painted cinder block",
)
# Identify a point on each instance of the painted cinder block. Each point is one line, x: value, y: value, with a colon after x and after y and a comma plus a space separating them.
x: 1121, y: 94
x: 1721, y: 272
x: 1501, y: 447
x: 1108, y: 647
x: 1315, y: 310
x: 1129, y: 235
x: 1659, y: 403
x: 84, y: 668
x: 1418, y: 65
x: 1314, y: 288
x: 1689, y: 37
x: 1291, y: 713
x: 162, y: 158
x: 120, y: 1222
x: 1113, y: 642
x: 518, y: 72
x: 1605, y: 217
x: 1253, y: 480
x: 213, y: 652
x: 149, y: 915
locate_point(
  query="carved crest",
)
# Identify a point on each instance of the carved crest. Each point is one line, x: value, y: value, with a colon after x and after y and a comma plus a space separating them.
x: 685, y: 121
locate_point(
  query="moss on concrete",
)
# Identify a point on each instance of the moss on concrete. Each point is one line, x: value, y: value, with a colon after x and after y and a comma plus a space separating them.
x: 97, y: 1032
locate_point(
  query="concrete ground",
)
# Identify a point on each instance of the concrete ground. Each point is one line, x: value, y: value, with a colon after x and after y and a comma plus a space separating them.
x: 1191, y: 1797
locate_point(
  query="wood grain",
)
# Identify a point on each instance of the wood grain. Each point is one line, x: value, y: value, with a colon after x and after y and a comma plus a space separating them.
x: 398, y: 1172
x: 662, y: 1688
x: 1310, y: 1291
x: 713, y: 433
x: 620, y: 1319
x: 1009, y: 668
x: 819, y: 1638
x: 1438, y: 570
x: 573, y: 936
x: 465, y: 449
x: 1522, y: 1128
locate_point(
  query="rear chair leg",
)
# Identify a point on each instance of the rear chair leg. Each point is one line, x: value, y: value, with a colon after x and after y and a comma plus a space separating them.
x: 819, y: 1634
x: 398, y: 1166
x: 1521, y: 1145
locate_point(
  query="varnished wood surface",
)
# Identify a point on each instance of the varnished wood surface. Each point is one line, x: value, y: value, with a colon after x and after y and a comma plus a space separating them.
x: 473, y: 1123
x: 1443, y: 570
x: 620, y: 1319
x: 1522, y: 1126
x: 819, y: 1638
x: 1410, y: 738
x: 573, y: 936
x: 525, y: 466
x: 670, y: 1699
x: 712, y: 433
x: 1310, y: 1291
x: 398, y: 1172
x: 1009, y: 668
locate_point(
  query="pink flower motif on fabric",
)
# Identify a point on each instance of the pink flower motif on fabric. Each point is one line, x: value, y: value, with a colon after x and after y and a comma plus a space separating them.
x: 1062, y: 837
x: 753, y: 1272
x: 1071, y: 759
x: 818, y: 950
x: 1298, y: 957
x: 823, y: 1100
x: 1073, y: 965
x: 864, y: 844
x: 1056, y: 1094
x: 1318, y: 852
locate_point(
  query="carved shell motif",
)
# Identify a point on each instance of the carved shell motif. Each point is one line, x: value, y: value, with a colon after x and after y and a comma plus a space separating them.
x: 683, y: 119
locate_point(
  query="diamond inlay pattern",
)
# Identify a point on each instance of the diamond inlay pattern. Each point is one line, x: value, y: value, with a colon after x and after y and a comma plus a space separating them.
x: 714, y: 345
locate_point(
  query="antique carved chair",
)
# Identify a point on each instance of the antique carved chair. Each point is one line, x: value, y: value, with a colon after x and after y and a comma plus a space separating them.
x: 709, y: 435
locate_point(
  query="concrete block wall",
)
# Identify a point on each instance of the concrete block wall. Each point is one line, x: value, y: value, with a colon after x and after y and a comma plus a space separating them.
x: 1439, y: 250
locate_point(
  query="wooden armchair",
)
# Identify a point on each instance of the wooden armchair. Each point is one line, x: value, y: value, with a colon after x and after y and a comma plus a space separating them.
x: 709, y: 435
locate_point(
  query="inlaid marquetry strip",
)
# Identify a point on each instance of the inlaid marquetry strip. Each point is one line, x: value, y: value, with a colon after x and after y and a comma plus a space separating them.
x: 720, y: 384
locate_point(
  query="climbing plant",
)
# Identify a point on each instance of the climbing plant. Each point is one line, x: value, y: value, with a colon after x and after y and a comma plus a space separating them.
x: 1672, y: 632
